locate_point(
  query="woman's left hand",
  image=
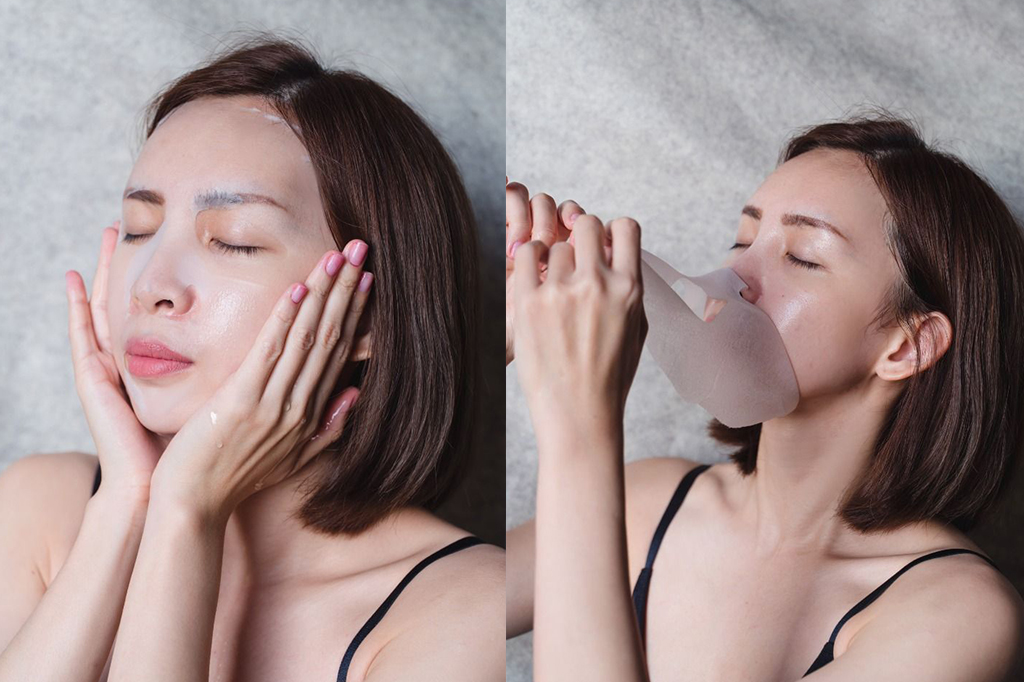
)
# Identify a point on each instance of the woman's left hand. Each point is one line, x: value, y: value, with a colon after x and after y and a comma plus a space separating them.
x: 579, y: 333
x: 264, y: 423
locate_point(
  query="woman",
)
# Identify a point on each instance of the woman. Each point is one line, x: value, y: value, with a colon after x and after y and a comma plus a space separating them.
x: 288, y: 300
x: 830, y: 545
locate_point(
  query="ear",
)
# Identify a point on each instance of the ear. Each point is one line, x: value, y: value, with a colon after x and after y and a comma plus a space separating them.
x: 934, y: 334
x: 361, y: 348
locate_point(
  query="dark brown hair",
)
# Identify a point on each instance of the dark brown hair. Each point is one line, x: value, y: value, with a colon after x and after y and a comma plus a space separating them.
x: 948, y: 445
x: 385, y: 178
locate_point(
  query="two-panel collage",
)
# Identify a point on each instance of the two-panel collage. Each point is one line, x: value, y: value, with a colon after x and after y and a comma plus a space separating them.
x: 763, y: 321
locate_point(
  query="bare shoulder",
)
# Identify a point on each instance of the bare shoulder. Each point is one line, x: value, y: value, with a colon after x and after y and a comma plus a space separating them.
x: 953, y: 617
x: 649, y: 485
x: 452, y: 626
x: 50, y: 490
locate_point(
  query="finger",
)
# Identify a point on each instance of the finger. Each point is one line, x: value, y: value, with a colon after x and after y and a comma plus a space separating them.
x: 527, y: 272
x: 339, y: 356
x: 517, y: 217
x: 259, y: 362
x: 626, y: 246
x: 337, y: 327
x: 589, y: 234
x: 80, y: 331
x: 561, y: 261
x: 568, y: 212
x: 544, y: 217
x: 330, y: 426
x: 304, y: 335
x: 98, y: 301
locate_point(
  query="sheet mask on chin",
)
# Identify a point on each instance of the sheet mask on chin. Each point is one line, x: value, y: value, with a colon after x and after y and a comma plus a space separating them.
x: 221, y: 299
x: 735, y: 366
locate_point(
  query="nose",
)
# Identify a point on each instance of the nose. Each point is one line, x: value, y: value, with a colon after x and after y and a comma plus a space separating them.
x: 159, y: 290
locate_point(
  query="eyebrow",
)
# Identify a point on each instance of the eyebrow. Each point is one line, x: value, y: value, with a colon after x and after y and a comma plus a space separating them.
x: 212, y: 198
x: 800, y: 220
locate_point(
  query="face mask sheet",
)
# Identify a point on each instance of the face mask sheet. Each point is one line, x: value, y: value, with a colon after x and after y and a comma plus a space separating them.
x: 736, y: 366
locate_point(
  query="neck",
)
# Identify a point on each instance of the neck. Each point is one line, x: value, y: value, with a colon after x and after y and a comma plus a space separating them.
x: 805, y: 463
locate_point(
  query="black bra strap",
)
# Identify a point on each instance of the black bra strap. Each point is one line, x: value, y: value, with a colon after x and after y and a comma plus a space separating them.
x: 866, y: 601
x: 643, y: 581
x: 461, y: 543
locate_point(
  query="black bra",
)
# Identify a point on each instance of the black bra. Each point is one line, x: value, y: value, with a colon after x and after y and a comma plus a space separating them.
x: 371, y: 622
x: 643, y: 581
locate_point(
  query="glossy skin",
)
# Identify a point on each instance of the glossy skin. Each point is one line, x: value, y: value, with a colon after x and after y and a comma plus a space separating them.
x: 288, y: 600
x: 755, y: 572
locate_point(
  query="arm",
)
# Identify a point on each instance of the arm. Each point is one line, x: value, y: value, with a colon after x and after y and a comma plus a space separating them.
x: 77, y: 617
x: 584, y: 623
x: 173, y: 592
x: 519, y: 587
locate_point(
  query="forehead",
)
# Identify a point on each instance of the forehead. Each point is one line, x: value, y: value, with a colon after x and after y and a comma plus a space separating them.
x: 834, y: 185
x: 234, y: 142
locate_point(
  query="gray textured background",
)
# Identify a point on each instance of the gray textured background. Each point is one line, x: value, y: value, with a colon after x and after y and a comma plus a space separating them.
x: 674, y: 112
x: 76, y: 77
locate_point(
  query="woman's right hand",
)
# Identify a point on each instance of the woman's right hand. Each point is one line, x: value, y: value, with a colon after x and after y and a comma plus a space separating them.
x: 527, y: 219
x: 128, y: 451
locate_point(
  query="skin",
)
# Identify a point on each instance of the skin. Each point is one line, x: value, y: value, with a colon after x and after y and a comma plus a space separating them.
x: 771, y: 548
x: 251, y: 593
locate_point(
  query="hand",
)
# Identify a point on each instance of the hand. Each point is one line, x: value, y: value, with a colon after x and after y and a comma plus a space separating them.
x: 579, y: 333
x: 127, y: 450
x: 527, y: 219
x: 267, y: 421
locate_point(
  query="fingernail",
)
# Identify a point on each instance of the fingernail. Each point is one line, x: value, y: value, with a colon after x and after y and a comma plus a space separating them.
x: 515, y: 245
x: 334, y: 264
x: 298, y: 291
x: 359, y: 250
x: 365, y: 281
x: 573, y: 217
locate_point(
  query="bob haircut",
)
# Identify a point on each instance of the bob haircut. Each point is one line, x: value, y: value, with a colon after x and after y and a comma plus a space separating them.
x: 950, y: 442
x: 385, y: 178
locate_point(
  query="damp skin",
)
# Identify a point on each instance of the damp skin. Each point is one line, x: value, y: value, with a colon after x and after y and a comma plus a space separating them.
x: 176, y: 280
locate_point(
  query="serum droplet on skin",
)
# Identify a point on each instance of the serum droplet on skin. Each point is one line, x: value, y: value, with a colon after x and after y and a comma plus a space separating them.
x: 219, y: 444
x: 287, y: 406
x: 258, y: 485
x: 213, y: 417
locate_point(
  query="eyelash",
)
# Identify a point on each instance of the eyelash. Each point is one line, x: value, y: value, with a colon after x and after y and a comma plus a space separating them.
x: 792, y: 259
x: 230, y: 248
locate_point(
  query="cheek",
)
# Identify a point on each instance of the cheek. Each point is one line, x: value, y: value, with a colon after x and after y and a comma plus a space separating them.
x: 824, y: 338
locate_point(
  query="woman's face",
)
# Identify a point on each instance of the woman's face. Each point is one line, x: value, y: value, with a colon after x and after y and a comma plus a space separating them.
x: 192, y: 191
x: 823, y: 313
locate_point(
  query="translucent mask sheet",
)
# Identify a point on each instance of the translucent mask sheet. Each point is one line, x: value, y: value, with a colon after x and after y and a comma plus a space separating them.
x: 735, y: 366
x: 221, y: 298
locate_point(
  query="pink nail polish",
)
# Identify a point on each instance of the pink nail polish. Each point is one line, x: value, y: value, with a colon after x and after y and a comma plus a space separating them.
x: 515, y: 245
x: 298, y: 291
x: 334, y: 264
x: 365, y: 281
x: 359, y: 250
x: 573, y: 217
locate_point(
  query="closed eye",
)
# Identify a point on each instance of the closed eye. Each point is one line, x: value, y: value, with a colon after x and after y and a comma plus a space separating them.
x: 231, y: 248
x: 792, y: 259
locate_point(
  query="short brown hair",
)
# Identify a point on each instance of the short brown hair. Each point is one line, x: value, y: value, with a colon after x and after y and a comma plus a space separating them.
x: 385, y: 178
x: 948, y: 445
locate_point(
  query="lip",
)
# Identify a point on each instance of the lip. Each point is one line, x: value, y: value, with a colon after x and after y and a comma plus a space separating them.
x: 147, y: 356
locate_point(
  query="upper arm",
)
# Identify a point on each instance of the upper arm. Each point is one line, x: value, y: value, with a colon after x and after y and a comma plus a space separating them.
x: 965, y: 624
x: 458, y: 637
x: 37, y: 509
x: 520, y: 547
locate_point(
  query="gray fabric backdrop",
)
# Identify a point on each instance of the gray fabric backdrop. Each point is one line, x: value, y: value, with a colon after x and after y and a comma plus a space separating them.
x: 76, y: 77
x: 674, y: 113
